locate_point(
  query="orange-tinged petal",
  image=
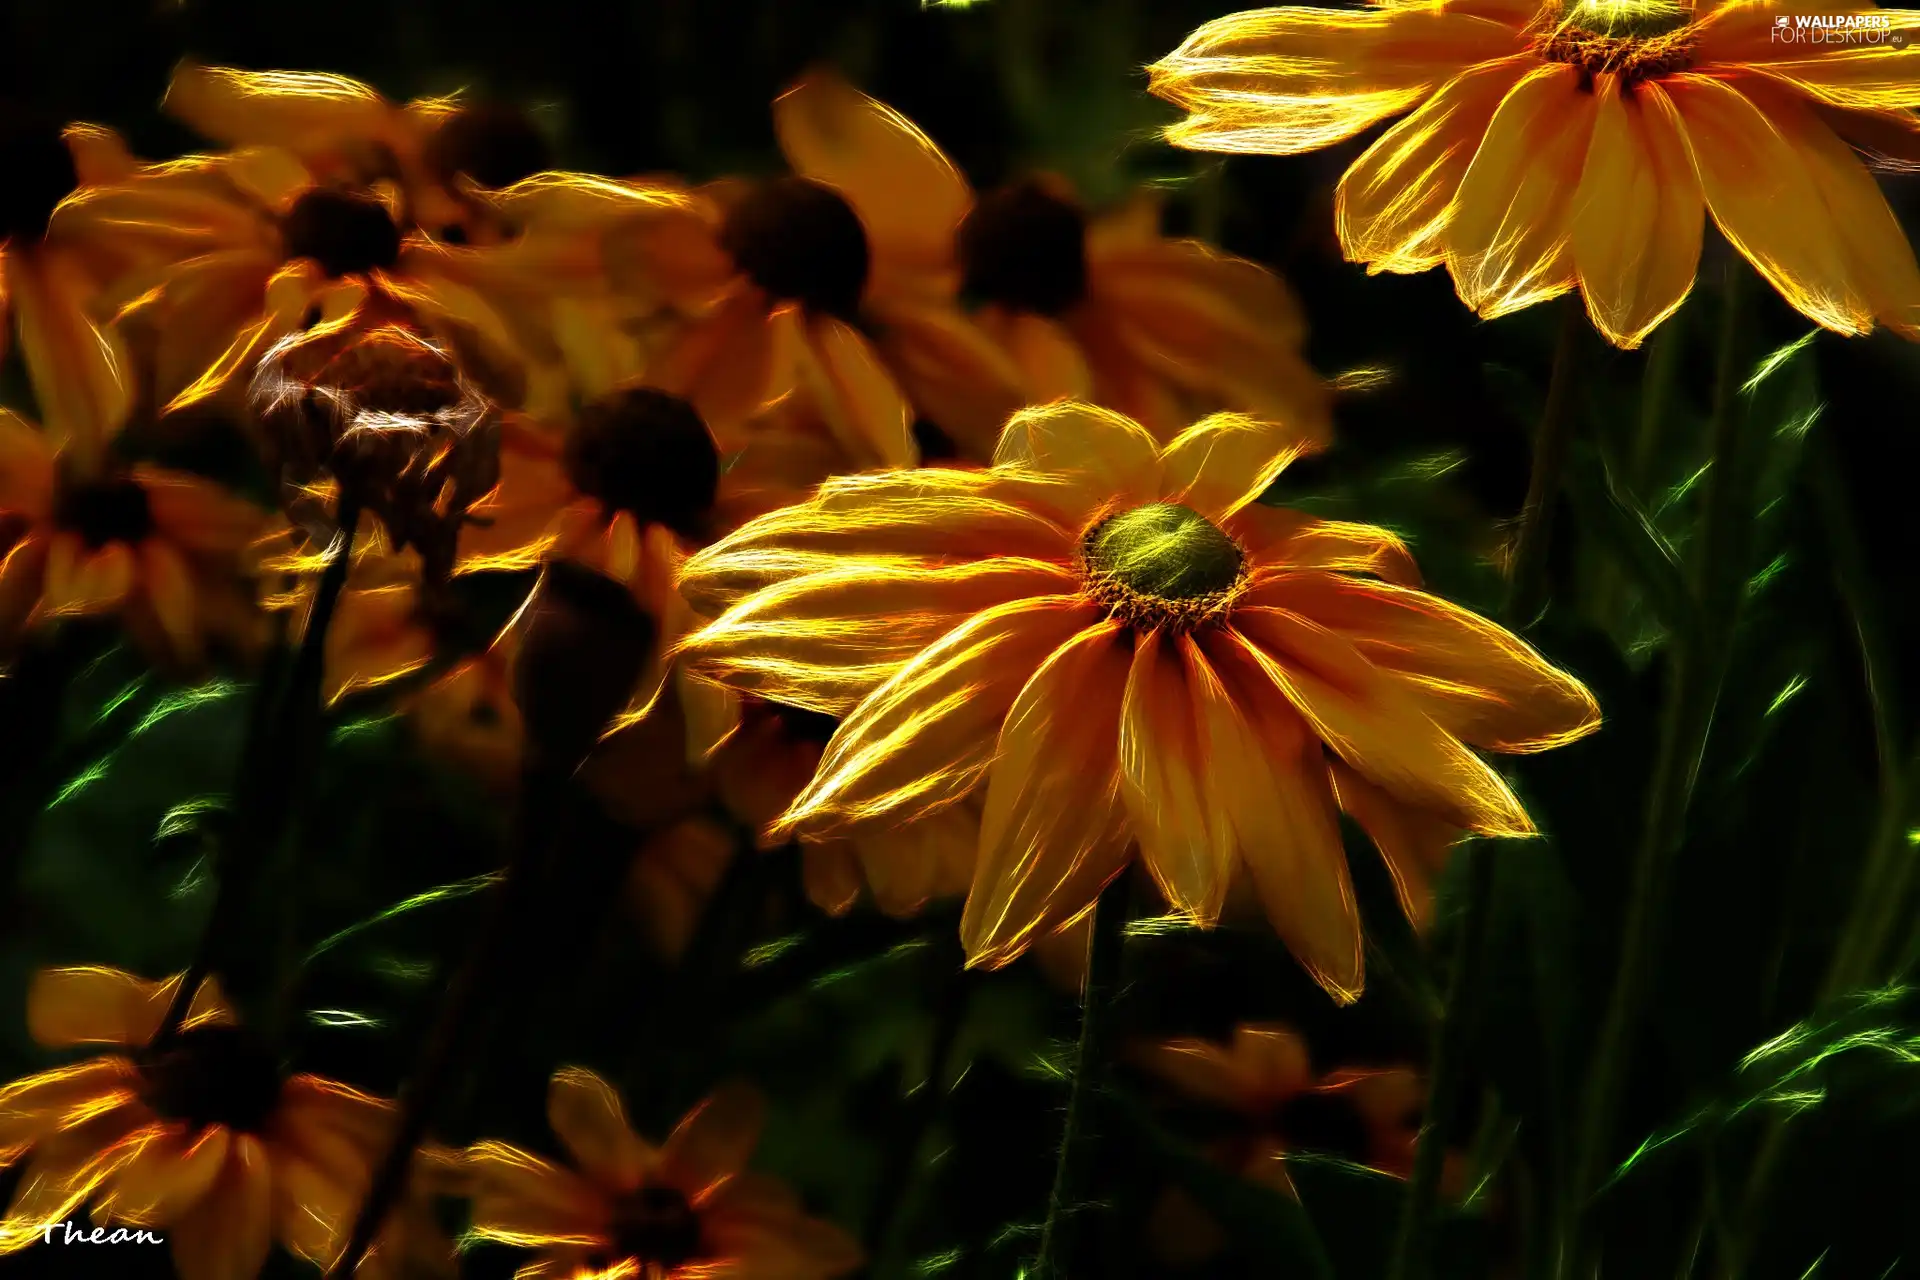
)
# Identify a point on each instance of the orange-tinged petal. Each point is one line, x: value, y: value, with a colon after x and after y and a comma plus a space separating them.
x: 1768, y: 202
x: 100, y: 155
x: 1275, y: 537
x: 82, y: 581
x: 229, y: 1233
x: 26, y: 469
x: 713, y: 1143
x: 91, y: 1004
x: 766, y: 1237
x: 926, y: 736
x: 169, y: 1174
x: 289, y: 293
x: 1371, y: 724
x: 169, y: 593
x: 1275, y: 1059
x: 1861, y: 76
x: 950, y: 368
x: 730, y: 364
x: 1393, y: 204
x: 1225, y: 461
x: 1478, y: 681
x: 1053, y: 831
x: 1268, y: 772
x: 909, y: 866
x: 857, y: 397
x: 1050, y: 362
x: 198, y: 514
x: 1099, y: 458
x: 62, y: 1098
x: 312, y: 1211
x: 298, y: 110
x: 62, y: 1174
x: 826, y: 640
x: 1186, y: 846
x: 589, y: 1119
x: 1637, y: 216
x: 1508, y: 243
x: 908, y: 195
x: 376, y: 637
x: 671, y: 252
x: 198, y: 308
x: 79, y: 370
x: 518, y: 1198
x: 22, y: 576
x: 830, y: 873
x: 1286, y: 80
x: 1414, y: 844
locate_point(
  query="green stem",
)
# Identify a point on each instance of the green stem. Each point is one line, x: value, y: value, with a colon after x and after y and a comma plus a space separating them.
x: 1104, y: 947
x: 276, y: 761
x: 1658, y: 376
x: 924, y: 1105
x: 1447, y: 1083
x: 1527, y: 582
x: 1698, y: 663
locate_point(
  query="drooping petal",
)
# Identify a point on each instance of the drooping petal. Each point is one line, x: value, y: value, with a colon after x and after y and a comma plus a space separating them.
x: 520, y: 1199
x: 1371, y: 724
x: 79, y: 369
x: 1414, y: 844
x: 1101, y: 458
x: 824, y: 641
x: 229, y: 1233
x: 908, y: 195
x: 1637, y: 216
x: 26, y: 469
x: 1876, y: 75
x: 22, y: 577
x: 298, y: 110
x: 1268, y: 774
x: 1276, y: 538
x: 586, y: 1114
x: 1478, y: 681
x: 62, y: 1098
x: 1187, y: 846
x: 289, y: 293
x: 926, y: 736
x: 196, y: 513
x: 1768, y: 203
x: 1052, y: 366
x: 1508, y: 242
x: 858, y: 398
x: 198, y: 308
x: 713, y: 1143
x: 951, y: 370
x: 1225, y: 461
x: 168, y: 590
x: 1053, y: 831
x: 730, y: 364
x: 1286, y: 80
x: 91, y: 1004
x: 169, y: 1174
x: 1393, y: 204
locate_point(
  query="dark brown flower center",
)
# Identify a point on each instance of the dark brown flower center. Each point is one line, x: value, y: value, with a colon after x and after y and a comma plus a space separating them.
x: 1161, y: 565
x: 801, y: 242
x: 219, y: 1075
x: 648, y: 453
x: 1025, y: 248
x: 346, y: 234
x: 935, y: 445
x: 1634, y: 39
x: 39, y: 174
x: 494, y: 145
x: 114, y: 508
x: 657, y: 1228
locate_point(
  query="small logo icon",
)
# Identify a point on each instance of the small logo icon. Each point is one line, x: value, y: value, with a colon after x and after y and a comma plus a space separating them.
x: 1780, y: 21
x: 1898, y: 40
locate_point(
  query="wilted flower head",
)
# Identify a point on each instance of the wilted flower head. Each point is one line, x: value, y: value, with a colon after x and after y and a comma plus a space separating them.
x: 384, y: 413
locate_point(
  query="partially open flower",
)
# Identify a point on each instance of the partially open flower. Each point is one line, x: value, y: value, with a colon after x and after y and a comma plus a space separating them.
x: 385, y: 414
x: 680, y: 1211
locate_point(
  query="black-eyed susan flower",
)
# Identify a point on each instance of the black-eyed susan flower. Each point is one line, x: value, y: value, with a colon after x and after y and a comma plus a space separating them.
x: 628, y: 1209
x: 439, y: 151
x: 768, y: 760
x: 776, y: 277
x: 1090, y: 307
x: 204, y: 1136
x: 1554, y: 145
x: 159, y: 549
x: 1127, y: 650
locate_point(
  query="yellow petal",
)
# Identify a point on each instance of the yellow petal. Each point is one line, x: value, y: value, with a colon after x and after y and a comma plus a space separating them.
x: 197, y: 514
x: 1269, y: 774
x: 1862, y: 76
x: 1275, y: 537
x: 857, y: 397
x: 1478, y: 681
x: 91, y: 1004
x: 1187, y: 847
x: 1768, y: 203
x: 950, y: 369
x: 60, y: 1099
x: 1223, y: 462
x: 1507, y: 246
x: 169, y: 592
x: 713, y: 1143
x: 168, y: 1175
x: 908, y: 195
x: 1053, y: 831
x: 1414, y: 845
x: 520, y: 1199
x: 26, y: 469
x: 22, y: 577
x: 202, y: 304
x: 1371, y: 724
x: 826, y: 640
x: 830, y: 873
x: 1099, y: 458
x: 926, y: 736
x: 298, y: 110
x: 1393, y: 204
x: 289, y: 292
x: 78, y: 368
x: 229, y: 1234
x: 1286, y: 80
x: 82, y: 580
x: 1051, y: 364
x: 587, y: 1116
x: 100, y: 155
x: 1637, y: 216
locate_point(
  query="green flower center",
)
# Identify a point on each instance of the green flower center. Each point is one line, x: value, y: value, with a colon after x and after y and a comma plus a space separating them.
x: 1161, y: 564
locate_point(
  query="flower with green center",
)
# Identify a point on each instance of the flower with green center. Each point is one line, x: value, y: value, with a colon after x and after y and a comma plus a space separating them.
x: 1131, y: 653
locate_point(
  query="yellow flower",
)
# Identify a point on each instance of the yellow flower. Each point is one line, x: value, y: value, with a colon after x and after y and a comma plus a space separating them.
x: 1554, y: 145
x: 628, y: 1210
x: 158, y: 548
x: 206, y: 1139
x: 297, y: 253
x: 439, y: 150
x: 769, y: 759
x: 1125, y: 648
x: 776, y: 278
